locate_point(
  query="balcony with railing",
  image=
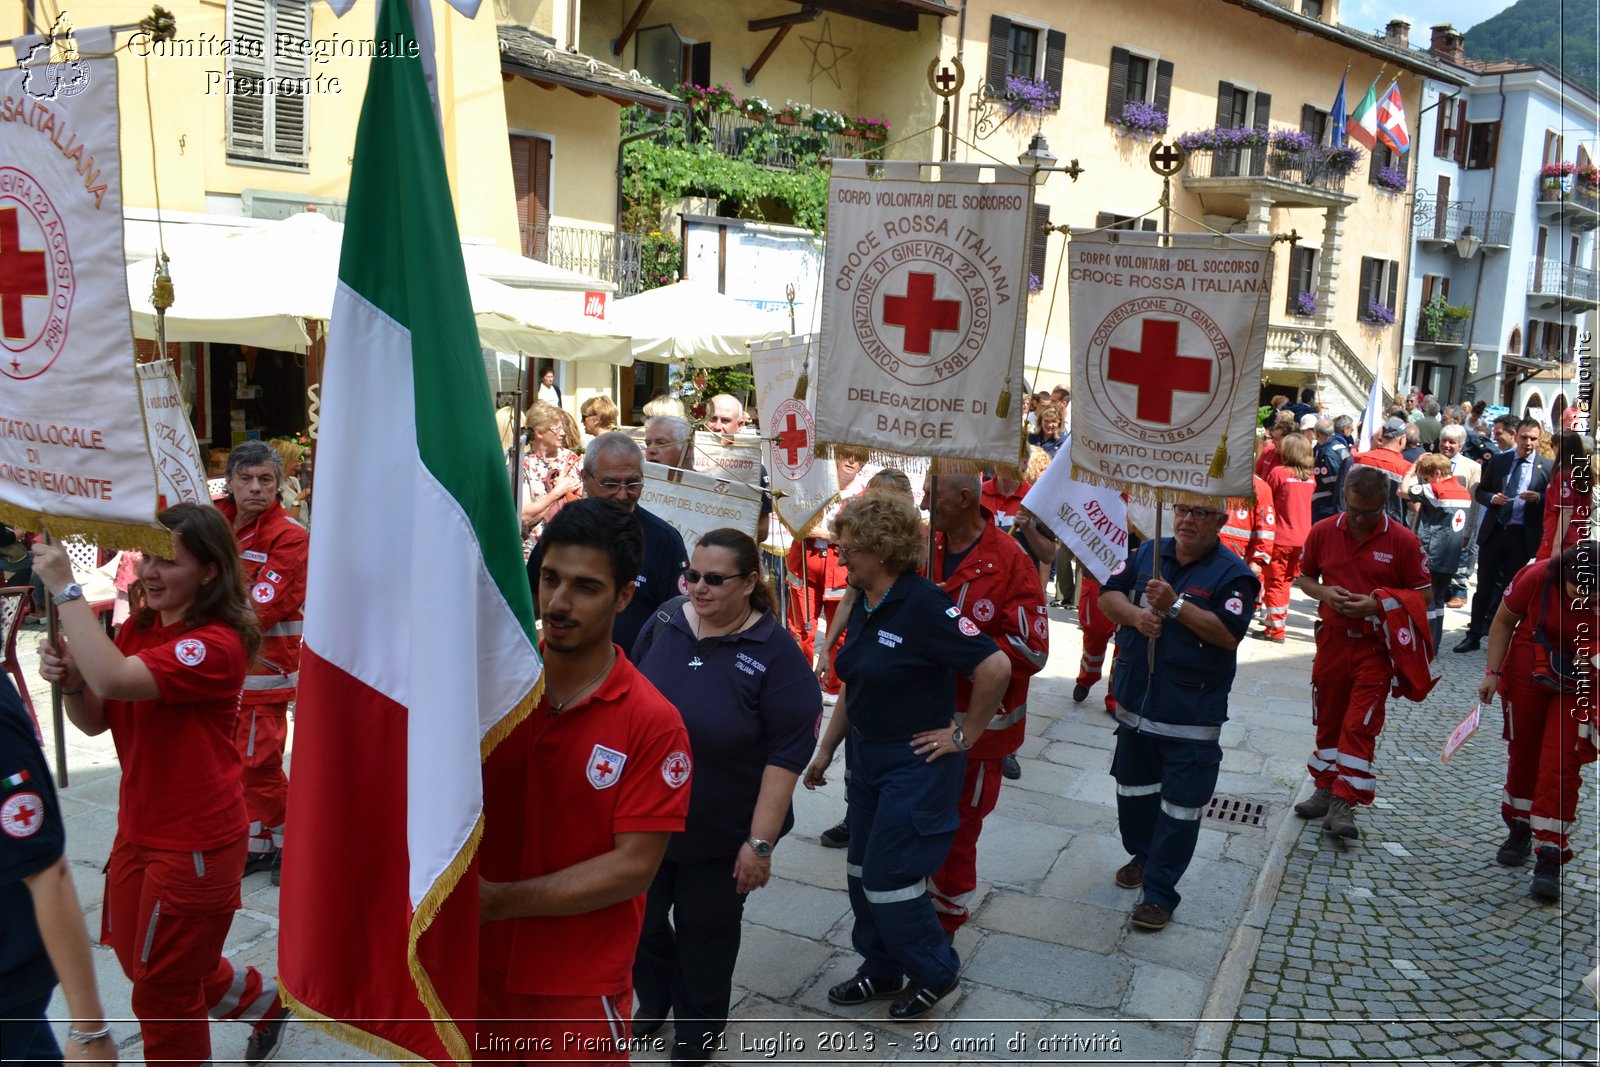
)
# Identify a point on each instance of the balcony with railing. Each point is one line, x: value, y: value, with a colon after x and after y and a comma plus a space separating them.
x: 1554, y: 284
x: 1442, y: 332
x: 1569, y: 199
x: 1287, y: 172
x: 609, y: 255
x: 791, y: 137
x: 1440, y: 224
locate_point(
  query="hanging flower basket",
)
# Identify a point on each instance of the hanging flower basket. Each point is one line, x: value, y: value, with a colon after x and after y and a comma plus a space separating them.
x: 1390, y: 179
x: 1376, y: 314
x: 1141, y: 120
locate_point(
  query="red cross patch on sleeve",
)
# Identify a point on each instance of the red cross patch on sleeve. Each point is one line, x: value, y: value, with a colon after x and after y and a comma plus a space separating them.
x: 22, y: 815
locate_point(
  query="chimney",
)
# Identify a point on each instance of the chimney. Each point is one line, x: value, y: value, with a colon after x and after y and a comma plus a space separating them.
x: 1447, y: 44
x: 1397, y: 34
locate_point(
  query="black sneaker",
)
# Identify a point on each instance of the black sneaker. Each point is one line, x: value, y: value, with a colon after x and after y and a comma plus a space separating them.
x: 1518, y: 846
x: 1547, y: 874
x: 260, y: 861
x: 860, y: 989
x: 836, y: 836
x: 266, y: 1035
x: 1080, y: 693
x: 1010, y: 768
x: 920, y: 1001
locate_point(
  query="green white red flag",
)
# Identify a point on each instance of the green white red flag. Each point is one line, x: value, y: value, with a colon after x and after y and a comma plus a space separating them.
x: 1363, y: 122
x: 419, y: 650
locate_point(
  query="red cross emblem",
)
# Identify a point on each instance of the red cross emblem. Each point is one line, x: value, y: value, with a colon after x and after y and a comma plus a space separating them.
x: 1157, y: 371
x: 920, y: 314
x: 36, y: 276
x: 605, y: 766
x: 22, y: 274
x: 792, y: 444
x: 675, y: 769
x: 20, y: 815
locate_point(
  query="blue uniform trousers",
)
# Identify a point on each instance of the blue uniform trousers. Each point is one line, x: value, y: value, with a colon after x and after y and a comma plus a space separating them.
x: 1163, y: 786
x: 26, y: 1035
x: 902, y: 818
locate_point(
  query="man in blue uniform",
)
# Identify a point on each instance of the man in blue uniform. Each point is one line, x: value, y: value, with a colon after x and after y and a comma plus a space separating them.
x: 41, y: 921
x: 613, y: 469
x: 1170, y: 716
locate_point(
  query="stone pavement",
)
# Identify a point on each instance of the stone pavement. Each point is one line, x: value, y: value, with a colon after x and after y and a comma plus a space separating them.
x: 1427, y: 947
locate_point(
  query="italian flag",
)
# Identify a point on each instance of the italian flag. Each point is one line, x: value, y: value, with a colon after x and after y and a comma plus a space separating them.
x: 1363, y: 122
x: 419, y: 650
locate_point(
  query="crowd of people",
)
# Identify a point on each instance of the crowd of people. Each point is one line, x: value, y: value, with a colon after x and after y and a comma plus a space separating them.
x: 685, y: 701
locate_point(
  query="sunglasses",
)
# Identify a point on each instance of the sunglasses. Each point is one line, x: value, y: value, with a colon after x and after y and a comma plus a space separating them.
x: 713, y: 580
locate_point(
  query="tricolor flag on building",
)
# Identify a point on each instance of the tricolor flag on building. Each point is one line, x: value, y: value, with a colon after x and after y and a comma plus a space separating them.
x: 419, y: 651
x: 1362, y: 125
x: 1392, y: 120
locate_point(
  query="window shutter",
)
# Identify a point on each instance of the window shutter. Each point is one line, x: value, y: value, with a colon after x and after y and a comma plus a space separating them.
x: 1308, y: 118
x: 1443, y: 128
x: 1041, y: 241
x: 1102, y: 219
x: 999, y: 53
x: 290, y: 19
x: 1427, y: 288
x: 1055, y: 59
x: 1117, y: 85
x: 247, y: 111
x: 1368, y: 289
x: 521, y: 184
x: 1461, y: 134
x: 1263, y: 109
x: 1224, y: 104
x: 1164, y: 85
x: 1148, y: 225
x: 1444, y: 287
x: 1394, y: 284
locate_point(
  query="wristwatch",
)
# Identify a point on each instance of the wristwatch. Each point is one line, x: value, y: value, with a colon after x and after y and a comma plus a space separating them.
x: 73, y: 591
x: 1176, y: 609
x: 762, y: 849
x: 960, y: 739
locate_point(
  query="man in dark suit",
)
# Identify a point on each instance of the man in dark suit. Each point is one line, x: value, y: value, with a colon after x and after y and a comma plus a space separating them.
x: 1512, y: 490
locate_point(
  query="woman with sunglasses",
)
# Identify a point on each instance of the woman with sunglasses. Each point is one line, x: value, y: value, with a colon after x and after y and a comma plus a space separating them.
x: 751, y: 705
x: 1547, y: 617
x: 903, y: 648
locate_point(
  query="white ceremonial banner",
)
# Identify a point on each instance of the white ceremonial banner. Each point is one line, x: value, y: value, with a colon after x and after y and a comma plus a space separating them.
x: 180, y: 473
x: 737, y: 457
x: 74, y: 457
x: 923, y: 309
x: 802, y: 484
x: 1167, y: 348
x: 695, y: 503
x: 1090, y: 520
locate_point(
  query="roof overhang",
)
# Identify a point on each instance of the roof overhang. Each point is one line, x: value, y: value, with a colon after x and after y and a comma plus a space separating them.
x: 1406, y: 59
x: 525, y: 54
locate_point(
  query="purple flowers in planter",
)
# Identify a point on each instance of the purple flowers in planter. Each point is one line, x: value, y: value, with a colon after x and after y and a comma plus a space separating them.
x: 1376, y: 314
x: 1030, y: 94
x: 1305, y: 303
x: 1392, y: 179
x: 1142, y: 116
x: 1223, y: 138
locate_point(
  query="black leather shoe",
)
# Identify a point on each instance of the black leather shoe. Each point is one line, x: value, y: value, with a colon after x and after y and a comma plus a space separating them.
x: 1010, y: 768
x: 1468, y: 644
x: 860, y: 989
x: 920, y: 1001
x: 1080, y: 693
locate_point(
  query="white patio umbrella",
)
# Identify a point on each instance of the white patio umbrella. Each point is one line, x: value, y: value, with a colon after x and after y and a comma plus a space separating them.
x: 691, y: 320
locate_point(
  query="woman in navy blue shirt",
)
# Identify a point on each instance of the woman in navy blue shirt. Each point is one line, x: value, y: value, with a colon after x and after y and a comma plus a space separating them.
x: 902, y: 651
x: 751, y: 705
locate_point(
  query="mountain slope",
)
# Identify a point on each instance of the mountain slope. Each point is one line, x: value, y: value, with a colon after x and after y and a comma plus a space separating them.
x: 1557, y: 33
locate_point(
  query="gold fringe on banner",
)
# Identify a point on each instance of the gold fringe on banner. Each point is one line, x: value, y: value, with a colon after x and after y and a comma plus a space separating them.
x: 346, y: 1032
x: 1138, y: 491
x: 156, y: 540
x: 939, y: 464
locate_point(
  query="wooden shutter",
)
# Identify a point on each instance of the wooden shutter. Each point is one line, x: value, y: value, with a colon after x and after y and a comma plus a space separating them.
x: 521, y: 186
x: 290, y: 19
x: 1263, y: 110
x: 1427, y: 288
x: 1444, y: 287
x: 1055, y: 59
x: 1148, y: 225
x: 1117, y: 85
x: 999, y: 53
x: 1368, y: 289
x: 1040, y: 248
x: 247, y: 67
x: 1444, y: 128
x: 1393, y: 270
x: 1224, y: 104
x: 1308, y: 119
x: 1102, y: 219
x: 1164, y: 85
x: 1462, y: 130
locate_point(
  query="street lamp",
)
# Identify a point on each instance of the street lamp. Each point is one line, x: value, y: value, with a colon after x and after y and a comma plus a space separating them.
x: 1038, y: 158
x: 1468, y: 243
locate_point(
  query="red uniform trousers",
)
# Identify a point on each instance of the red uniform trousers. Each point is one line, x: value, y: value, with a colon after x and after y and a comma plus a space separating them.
x: 1097, y: 633
x: 1276, y: 579
x: 523, y: 1028
x: 1350, y: 681
x: 1546, y: 751
x: 167, y: 915
x: 261, y: 733
x: 957, y: 879
x: 822, y: 585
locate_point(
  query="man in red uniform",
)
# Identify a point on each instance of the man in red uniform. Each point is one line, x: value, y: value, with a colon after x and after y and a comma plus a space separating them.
x: 1388, y: 442
x: 994, y: 583
x: 272, y: 554
x: 1345, y: 559
x: 1251, y: 526
x: 578, y: 802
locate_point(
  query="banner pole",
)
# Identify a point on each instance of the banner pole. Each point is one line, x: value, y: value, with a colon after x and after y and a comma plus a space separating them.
x: 1155, y: 572
x: 58, y: 717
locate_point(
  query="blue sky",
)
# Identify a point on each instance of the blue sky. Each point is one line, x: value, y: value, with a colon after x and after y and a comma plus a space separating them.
x: 1373, y: 15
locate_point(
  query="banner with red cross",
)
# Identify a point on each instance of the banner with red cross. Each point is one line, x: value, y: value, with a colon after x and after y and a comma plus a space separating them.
x: 923, y: 308
x: 802, y: 483
x: 1167, y: 349
x: 74, y: 456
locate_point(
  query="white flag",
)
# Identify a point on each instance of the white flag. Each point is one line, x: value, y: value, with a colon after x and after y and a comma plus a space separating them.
x: 1090, y: 520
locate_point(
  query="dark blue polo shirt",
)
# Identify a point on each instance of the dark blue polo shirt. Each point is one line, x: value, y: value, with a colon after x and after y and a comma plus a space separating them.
x: 749, y: 701
x: 32, y: 838
x: 665, y: 560
x: 899, y: 663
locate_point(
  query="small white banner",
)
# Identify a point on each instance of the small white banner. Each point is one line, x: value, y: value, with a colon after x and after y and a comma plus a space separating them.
x: 802, y: 484
x: 73, y: 452
x: 180, y: 473
x: 1168, y: 345
x: 695, y: 503
x: 737, y: 457
x: 1090, y: 520
x: 922, y: 311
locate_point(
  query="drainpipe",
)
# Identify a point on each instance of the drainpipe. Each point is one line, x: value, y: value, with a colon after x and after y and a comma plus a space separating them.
x: 961, y: 47
x: 1477, y: 291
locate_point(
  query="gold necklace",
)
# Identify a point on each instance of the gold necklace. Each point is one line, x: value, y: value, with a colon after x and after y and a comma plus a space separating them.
x: 558, y: 706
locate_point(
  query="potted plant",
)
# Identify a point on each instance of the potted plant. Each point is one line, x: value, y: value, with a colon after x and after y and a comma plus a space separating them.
x: 1552, y: 179
x: 1223, y: 138
x: 1342, y: 162
x: 1305, y: 303
x: 1377, y: 314
x: 1142, y: 120
x: 1390, y: 180
x: 720, y: 98
x: 1031, y: 94
x: 1588, y: 178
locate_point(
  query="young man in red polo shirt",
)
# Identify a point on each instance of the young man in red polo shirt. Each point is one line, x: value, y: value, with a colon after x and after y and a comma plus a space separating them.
x: 1346, y: 558
x: 579, y: 802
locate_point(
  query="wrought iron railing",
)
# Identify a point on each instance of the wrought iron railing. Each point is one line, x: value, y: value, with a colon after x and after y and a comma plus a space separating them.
x: 609, y: 255
x: 1302, y: 168
x: 1553, y: 277
x: 1582, y: 194
x: 1453, y: 218
x: 1448, y: 332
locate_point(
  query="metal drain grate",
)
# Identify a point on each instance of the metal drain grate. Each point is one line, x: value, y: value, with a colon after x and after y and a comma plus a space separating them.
x: 1237, y: 811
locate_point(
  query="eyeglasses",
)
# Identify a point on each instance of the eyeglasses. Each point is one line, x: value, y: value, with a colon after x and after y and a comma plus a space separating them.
x: 713, y: 580
x: 1202, y: 514
x: 611, y: 485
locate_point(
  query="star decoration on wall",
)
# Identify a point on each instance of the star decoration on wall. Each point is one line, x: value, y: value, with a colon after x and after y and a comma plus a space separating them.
x: 825, y: 55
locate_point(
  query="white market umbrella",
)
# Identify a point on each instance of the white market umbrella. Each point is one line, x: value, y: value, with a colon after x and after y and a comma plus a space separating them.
x: 691, y: 320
